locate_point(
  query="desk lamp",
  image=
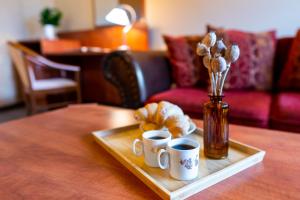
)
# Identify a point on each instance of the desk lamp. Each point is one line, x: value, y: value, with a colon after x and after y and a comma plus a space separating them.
x: 123, y: 15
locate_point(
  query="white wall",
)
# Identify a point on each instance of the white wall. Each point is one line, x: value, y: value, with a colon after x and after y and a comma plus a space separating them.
x: 15, y: 16
x: 8, y: 32
x: 30, y: 14
x: 77, y: 14
x: 102, y: 8
x: 178, y: 17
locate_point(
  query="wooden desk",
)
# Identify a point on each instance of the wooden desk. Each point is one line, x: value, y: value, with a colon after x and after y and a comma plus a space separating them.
x: 53, y: 156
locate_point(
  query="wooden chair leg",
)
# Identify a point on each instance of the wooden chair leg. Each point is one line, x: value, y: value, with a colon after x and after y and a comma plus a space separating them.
x: 78, y: 88
x: 27, y: 105
x: 33, y: 105
x: 78, y: 92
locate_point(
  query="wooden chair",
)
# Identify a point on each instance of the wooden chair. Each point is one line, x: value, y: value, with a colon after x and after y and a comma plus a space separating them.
x: 25, y: 62
x: 59, y: 46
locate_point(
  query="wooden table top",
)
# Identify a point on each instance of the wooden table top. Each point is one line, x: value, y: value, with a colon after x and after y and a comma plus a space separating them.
x: 53, y: 156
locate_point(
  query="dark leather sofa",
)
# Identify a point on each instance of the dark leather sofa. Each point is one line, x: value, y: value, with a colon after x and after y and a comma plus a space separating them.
x: 142, y: 77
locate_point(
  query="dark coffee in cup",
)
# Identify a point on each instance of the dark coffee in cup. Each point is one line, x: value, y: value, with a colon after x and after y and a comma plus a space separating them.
x: 156, y: 138
x: 183, y: 147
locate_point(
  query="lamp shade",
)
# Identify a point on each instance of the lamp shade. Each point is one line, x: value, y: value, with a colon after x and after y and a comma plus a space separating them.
x: 123, y: 15
x: 118, y: 16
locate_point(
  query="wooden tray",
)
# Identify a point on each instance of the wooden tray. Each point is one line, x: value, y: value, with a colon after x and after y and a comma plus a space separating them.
x: 118, y: 142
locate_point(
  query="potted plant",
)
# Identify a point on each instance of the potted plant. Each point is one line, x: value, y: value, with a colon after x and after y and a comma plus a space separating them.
x: 50, y: 18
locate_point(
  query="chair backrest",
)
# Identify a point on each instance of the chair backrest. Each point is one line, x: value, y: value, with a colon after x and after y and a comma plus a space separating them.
x: 59, y: 46
x: 18, y: 53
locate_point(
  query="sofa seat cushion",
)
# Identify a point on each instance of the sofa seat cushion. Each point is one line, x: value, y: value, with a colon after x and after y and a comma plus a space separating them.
x: 246, y: 107
x: 285, y: 112
x: 249, y: 107
x: 189, y: 99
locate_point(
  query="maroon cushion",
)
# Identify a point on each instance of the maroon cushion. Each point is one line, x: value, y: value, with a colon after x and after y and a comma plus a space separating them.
x: 290, y: 77
x: 187, y: 67
x: 253, y: 69
x: 286, y: 111
x: 182, y: 62
x: 255, y: 65
x: 246, y: 107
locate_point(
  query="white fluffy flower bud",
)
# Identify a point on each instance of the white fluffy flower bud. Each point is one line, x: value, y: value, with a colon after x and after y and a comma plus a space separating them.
x: 218, y: 64
x: 210, y: 39
x: 202, y: 50
x: 219, y: 47
x: 232, y: 53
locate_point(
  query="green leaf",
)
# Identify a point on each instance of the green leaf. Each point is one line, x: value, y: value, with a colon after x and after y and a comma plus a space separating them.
x: 50, y: 16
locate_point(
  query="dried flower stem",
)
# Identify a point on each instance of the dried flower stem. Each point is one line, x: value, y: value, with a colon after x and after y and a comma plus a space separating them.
x: 224, y: 78
x: 219, y: 86
x: 212, y: 82
x: 216, y: 83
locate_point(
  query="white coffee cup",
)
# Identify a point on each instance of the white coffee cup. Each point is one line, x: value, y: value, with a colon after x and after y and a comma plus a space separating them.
x: 183, y: 162
x: 152, y: 142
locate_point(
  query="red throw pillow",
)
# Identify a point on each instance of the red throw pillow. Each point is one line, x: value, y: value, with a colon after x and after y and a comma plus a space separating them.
x: 290, y: 77
x: 186, y: 65
x: 254, y: 68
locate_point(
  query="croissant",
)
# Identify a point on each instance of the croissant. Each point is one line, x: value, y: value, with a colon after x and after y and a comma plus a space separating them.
x: 141, y: 114
x: 178, y: 125
x: 151, y: 108
x: 147, y: 126
x: 146, y: 113
x: 166, y: 109
x: 164, y: 114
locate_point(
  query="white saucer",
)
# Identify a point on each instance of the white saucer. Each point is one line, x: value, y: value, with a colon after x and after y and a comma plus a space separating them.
x: 192, y: 128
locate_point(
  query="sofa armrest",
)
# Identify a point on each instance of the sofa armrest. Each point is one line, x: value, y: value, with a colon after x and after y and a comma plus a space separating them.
x: 137, y: 75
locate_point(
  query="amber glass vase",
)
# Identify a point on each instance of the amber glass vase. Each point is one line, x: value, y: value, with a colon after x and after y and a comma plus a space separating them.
x: 215, y: 117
